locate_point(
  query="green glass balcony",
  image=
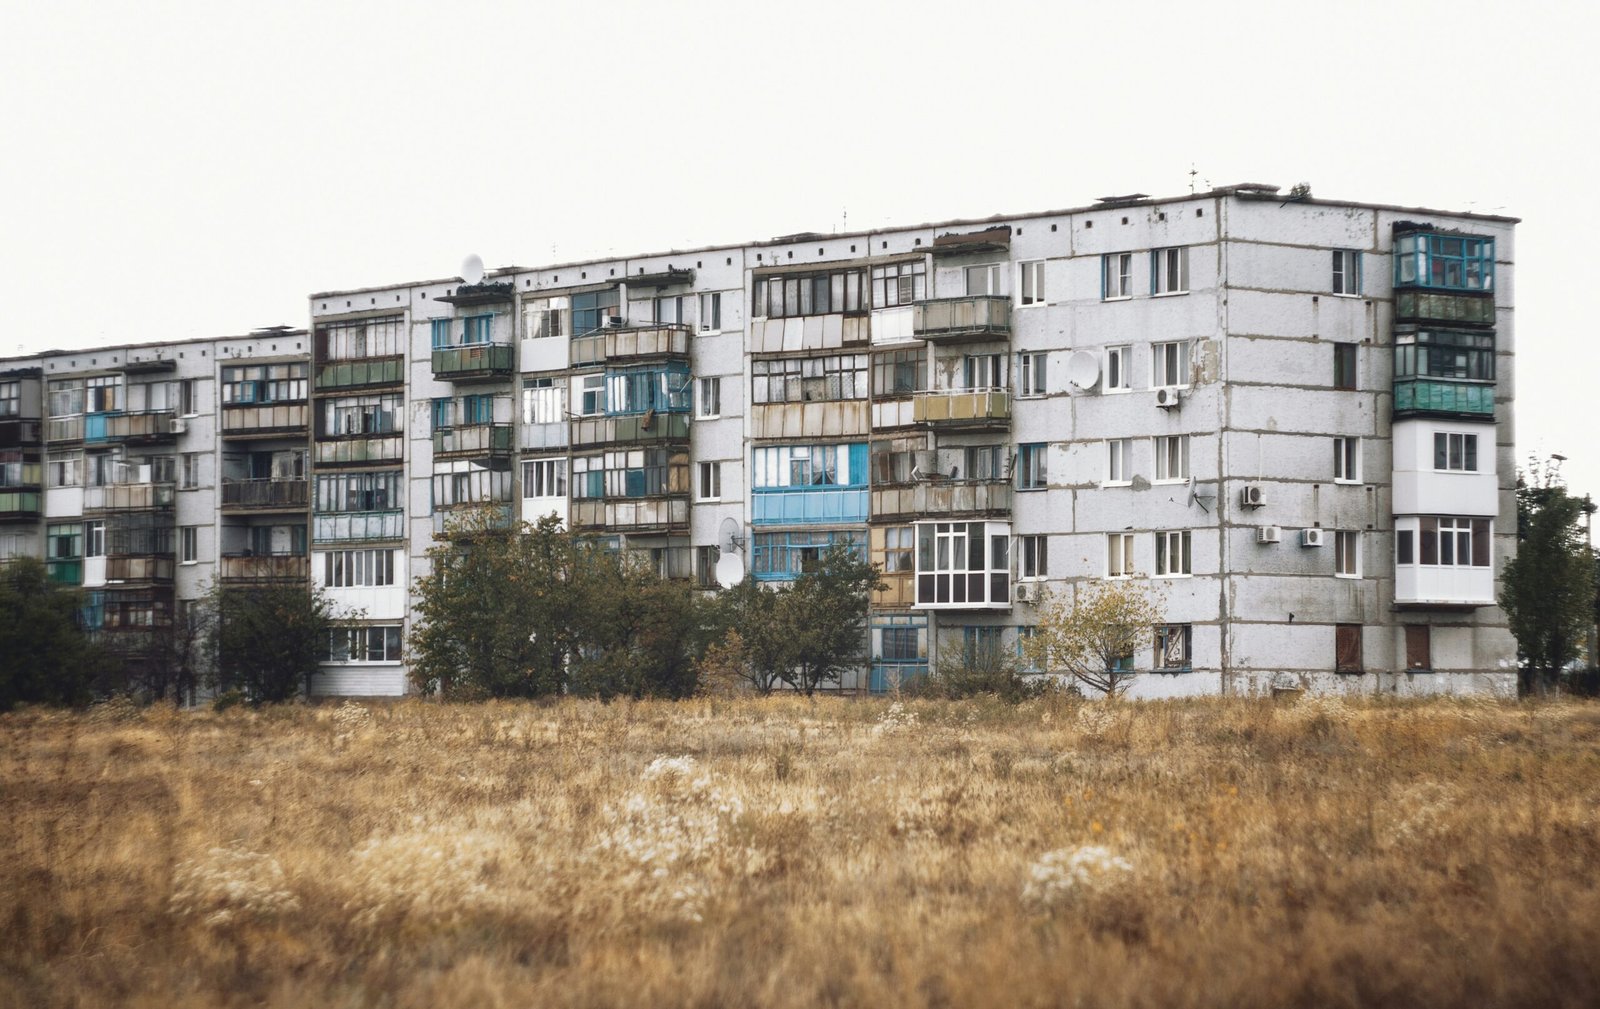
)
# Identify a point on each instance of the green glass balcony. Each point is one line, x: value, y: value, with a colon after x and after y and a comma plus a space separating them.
x: 361, y: 374
x: 478, y: 362
x: 66, y: 572
x: 1413, y: 305
x: 1442, y: 396
x: 20, y: 505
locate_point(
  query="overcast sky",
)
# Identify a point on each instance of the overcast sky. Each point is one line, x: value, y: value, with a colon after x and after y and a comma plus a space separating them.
x: 194, y: 170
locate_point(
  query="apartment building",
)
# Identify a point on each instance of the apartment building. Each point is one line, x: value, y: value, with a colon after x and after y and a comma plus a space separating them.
x: 1292, y: 416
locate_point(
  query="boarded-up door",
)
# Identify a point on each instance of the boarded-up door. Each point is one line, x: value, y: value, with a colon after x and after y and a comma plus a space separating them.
x: 1419, y: 647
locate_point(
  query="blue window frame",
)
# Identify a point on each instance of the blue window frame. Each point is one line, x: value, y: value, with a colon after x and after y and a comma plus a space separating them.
x: 442, y: 414
x: 644, y: 390
x: 477, y: 410
x: 1032, y: 471
x: 590, y: 310
x: 1447, y: 262
x: 441, y: 334
x: 801, y: 484
x: 980, y: 646
x: 476, y: 329
x: 899, y: 651
x: 782, y: 556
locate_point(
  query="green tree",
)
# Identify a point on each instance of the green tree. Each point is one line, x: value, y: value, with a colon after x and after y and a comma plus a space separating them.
x: 1547, y: 589
x: 1094, y: 637
x: 267, y: 639
x: 824, y: 616
x: 753, y: 645
x: 46, y: 655
x: 638, y: 634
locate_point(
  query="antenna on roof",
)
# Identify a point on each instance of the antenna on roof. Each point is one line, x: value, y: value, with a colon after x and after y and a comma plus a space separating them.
x: 1192, y: 174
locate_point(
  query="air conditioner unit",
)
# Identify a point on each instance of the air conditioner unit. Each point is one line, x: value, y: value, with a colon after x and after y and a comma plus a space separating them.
x: 1167, y: 399
x: 1311, y: 537
x: 1269, y: 534
x: 179, y: 425
x: 614, y: 321
x: 1025, y: 592
x: 1252, y: 495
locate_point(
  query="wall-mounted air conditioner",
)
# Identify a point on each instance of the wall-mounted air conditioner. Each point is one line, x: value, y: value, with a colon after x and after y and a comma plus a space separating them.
x: 614, y: 321
x: 179, y: 425
x: 1269, y: 534
x: 1026, y: 592
x: 1167, y: 399
x: 1311, y: 537
x: 1252, y: 495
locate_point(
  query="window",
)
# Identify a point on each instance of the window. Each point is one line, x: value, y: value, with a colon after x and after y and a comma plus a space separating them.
x: 782, y: 556
x: 357, y: 568
x: 190, y: 472
x: 363, y: 644
x: 899, y: 372
x: 1027, y: 659
x: 590, y: 311
x: 1172, y: 651
x: 983, y: 371
x: 1169, y: 366
x: 899, y: 651
x: 705, y: 565
x: 94, y: 539
x: 10, y: 399
x: 899, y: 546
x: 894, y: 459
x: 711, y: 312
x: 659, y: 388
x: 1347, y: 648
x: 810, y: 294
x: 591, y: 395
x: 1116, y: 276
x: 1346, y: 271
x: 1465, y: 357
x: 983, y: 280
x: 1172, y: 553
x: 1445, y: 542
x: 1347, y: 460
x: 710, y: 397
x: 104, y: 394
x: 1033, y: 556
x: 64, y: 542
x: 1172, y: 457
x: 358, y: 492
x: 541, y: 401
x: 264, y: 383
x: 1032, y: 471
x: 711, y: 481
x: 668, y: 310
x: 1031, y: 372
x: 1452, y: 262
x: 1119, y: 373
x: 1169, y: 271
x: 363, y: 415
x: 361, y: 338
x: 1347, y: 554
x: 476, y: 330
x: 1119, y: 555
x: 544, y: 478
x: 963, y: 564
x: 1031, y: 281
x: 984, y: 462
x: 66, y: 397
x: 787, y: 466
x: 809, y: 379
x: 188, y: 544
x: 980, y: 646
x: 544, y: 318
x: 896, y: 284
x: 1119, y: 461
x: 1455, y: 452
x: 1419, y: 647
x: 65, y: 469
x: 1344, y: 366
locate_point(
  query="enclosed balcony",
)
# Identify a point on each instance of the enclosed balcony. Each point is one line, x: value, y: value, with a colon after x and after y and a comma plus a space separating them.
x: 353, y: 527
x: 642, y: 429
x: 265, y: 420
x: 359, y: 451
x: 648, y: 515
x: 265, y: 568
x: 149, y: 427
x: 21, y: 486
x: 361, y: 374
x: 141, y: 568
x: 955, y: 498
x: 477, y: 363
x: 963, y: 565
x: 1444, y: 373
x: 20, y: 505
x: 975, y: 409
x: 473, y: 441
x: 629, y: 344
x: 969, y: 319
x: 265, y: 494
x: 1415, y: 305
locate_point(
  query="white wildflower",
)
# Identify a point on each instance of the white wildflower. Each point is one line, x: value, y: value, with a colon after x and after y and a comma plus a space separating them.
x: 228, y: 884
x: 897, y: 717
x: 1060, y: 875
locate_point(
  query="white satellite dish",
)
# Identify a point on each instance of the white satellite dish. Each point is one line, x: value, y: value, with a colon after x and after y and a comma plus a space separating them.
x: 1083, y: 369
x: 472, y: 269
x: 730, y: 570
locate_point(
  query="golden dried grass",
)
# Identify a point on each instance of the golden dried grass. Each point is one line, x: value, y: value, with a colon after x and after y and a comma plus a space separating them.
x: 790, y: 852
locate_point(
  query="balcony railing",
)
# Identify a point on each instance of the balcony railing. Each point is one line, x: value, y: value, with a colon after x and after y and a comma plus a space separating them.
x: 359, y: 374
x: 963, y: 407
x: 140, y: 569
x: 1443, y: 396
x: 141, y: 428
x: 264, y: 494
x: 809, y: 505
x: 265, y: 568
x: 478, y: 361
x: 128, y: 497
x: 645, y: 515
x: 355, y: 451
x: 473, y: 441
x: 491, y: 516
x: 20, y: 505
x: 640, y: 428
x: 15, y: 433
x: 265, y: 420
x: 957, y: 498
x: 955, y: 320
x: 337, y: 527
x: 64, y: 429
x: 65, y: 572
x: 1412, y: 305
x: 631, y: 343
x: 1444, y: 587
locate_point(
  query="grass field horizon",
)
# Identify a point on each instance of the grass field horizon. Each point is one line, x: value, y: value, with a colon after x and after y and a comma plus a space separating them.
x: 788, y: 851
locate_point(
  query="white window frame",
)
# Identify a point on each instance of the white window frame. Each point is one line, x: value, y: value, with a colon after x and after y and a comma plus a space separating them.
x: 1033, y: 466
x: 1171, y: 451
x: 1347, y: 460
x: 1033, y: 373
x: 1116, y: 276
x: 598, y: 388
x: 1033, y: 558
x: 190, y: 471
x: 1120, y: 358
x: 991, y: 274
x: 710, y: 315
x: 1120, y: 555
x: 94, y: 538
x: 189, y: 544
x: 709, y: 482
x: 548, y: 473
x: 1346, y: 280
x: 709, y: 405
x: 1119, y: 462
x: 1030, y: 284
x: 1159, y: 377
x: 1347, y: 554
x: 1174, y: 553
x: 1162, y: 262
x: 1456, y: 447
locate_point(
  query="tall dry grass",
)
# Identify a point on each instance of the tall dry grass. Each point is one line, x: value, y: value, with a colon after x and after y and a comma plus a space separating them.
x: 786, y: 852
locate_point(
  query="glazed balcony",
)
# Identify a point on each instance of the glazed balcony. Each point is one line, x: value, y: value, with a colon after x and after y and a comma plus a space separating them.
x: 129, y: 497
x: 1415, y: 305
x: 630, y: 344
x: 18, y: 505
x: 974, y: 409
x: 141, y: 568
x: 65, y: 572
x: 968, y: 319
x: 473, y: 441
x: 475, y: 363
x: 265, y: 568
x: 481, y: 516
x: 809, y: 505
x: 359, y: 451
x: 956, y: 498
x: 632, y: 515
x: 1443, y: 397
x: 265, y: 420
x: 150, y: 427
x: 362, y: 374
x: 265, y: 494
x: 628, y: 429
x: 64, y: 429
x: 354, y: 527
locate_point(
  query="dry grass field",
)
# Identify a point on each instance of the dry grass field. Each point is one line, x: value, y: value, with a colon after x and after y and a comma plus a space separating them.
x: 785, y: 852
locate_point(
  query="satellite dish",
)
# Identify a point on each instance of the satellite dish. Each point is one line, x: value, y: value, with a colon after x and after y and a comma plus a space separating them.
x: 728, y: 538
x: 730, y: 570
x: 472, y: 269
x: 1083, y: 370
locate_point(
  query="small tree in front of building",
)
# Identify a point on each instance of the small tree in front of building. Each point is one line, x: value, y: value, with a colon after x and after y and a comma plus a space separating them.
x: 267, y: 639
x: 1548, y: 589
x: 46, y: 655
x: 824, y: 617
x: 1092, y: 636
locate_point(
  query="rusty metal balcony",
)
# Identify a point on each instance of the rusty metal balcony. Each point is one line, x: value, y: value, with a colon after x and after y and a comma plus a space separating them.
x: 265, y: 568
x: 477, y: 362
x: 643, y: 515
x: 265, y: 420
x: 629, y: 429
x: 265, y: 494
x: 140, y: 568
x: 631, y: 343
x: 962, y: 320
x: 956, y: 498
x: 359, y: 451
x: 376, y: 371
